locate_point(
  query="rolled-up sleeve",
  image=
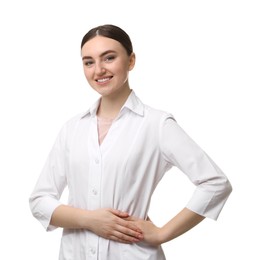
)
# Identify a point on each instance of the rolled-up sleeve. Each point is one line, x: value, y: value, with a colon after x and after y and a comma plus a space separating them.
x: 45, y: 197
x: 212, y: 186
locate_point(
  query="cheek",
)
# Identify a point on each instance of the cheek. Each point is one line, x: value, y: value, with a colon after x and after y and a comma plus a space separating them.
x: 122, y: 70
x: 87, y: 74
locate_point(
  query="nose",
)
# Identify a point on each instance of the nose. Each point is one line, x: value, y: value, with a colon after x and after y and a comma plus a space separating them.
x: 99, y: 69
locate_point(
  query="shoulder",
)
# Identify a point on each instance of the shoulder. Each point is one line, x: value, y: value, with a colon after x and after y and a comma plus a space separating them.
x: 74, y: 119
x: 158, y: 115
x: 135, y: 104
x: 71, y: 124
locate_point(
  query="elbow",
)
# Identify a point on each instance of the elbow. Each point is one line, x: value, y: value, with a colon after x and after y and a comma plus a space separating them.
x: 224, y: 190
x: 221, y: 187
x: 228, y: 188
x: 33, y: 202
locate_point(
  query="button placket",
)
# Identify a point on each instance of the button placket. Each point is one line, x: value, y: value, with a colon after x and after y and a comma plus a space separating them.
x: 97, y: 161
x: 95, y: 169
x: 94, y: 182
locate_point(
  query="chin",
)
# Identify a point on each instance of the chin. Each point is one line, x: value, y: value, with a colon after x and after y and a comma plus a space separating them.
x: 104, y: 92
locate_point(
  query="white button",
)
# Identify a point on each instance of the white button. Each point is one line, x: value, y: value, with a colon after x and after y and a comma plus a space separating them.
x: 94, y: 191
x: 97, y: 160
x: 93, y: 251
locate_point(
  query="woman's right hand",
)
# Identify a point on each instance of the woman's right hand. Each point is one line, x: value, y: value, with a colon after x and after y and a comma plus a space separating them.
x: 113, y: 224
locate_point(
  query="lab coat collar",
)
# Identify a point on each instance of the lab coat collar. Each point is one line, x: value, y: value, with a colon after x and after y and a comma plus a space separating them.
x: 133, y: 103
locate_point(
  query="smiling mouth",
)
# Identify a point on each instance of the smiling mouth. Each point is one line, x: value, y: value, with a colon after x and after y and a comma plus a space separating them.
x: 104, y: 80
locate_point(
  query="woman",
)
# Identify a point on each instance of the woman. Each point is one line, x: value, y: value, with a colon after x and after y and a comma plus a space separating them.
x: 112, y: 157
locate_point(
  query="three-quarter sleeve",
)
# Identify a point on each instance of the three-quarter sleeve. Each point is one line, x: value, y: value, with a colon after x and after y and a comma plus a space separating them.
x: 212, y: 185
x: 50, y: 185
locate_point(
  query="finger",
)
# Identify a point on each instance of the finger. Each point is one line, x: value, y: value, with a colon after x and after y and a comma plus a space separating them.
x: 129, y: 229
x: 131, y: 218
x: 119, y: 213
x: 122, y: 237
x: 131, y: 233
x: 114, y: 238
x: 129, y: 225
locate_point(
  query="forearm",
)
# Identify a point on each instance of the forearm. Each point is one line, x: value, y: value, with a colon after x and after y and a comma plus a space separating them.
x: 181, y: 223
x: 107, y: 223
x: 70, y: 217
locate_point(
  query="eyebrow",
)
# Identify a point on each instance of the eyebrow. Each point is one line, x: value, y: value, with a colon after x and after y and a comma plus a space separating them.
x: 102, y: 54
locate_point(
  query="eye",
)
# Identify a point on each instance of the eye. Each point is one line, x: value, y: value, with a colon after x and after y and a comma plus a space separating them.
x: 109, y: 58
x: 88, y: 63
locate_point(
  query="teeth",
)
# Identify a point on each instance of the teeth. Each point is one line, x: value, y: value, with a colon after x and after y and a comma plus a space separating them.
x: 102, y: 80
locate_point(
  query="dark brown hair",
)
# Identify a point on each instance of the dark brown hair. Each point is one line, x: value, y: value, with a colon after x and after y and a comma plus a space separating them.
x: 110, y: 31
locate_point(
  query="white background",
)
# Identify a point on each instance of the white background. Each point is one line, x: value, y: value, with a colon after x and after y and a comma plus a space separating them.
x: 198, y: 60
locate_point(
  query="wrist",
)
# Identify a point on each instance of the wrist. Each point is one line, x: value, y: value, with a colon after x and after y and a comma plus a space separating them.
x: 163, y: 235
x: 85, y: 219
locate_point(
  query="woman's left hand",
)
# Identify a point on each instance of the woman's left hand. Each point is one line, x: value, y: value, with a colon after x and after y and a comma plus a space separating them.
x: 152, y: 234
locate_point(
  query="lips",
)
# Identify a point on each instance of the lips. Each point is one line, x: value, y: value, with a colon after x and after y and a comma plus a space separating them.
x: 104, y: 80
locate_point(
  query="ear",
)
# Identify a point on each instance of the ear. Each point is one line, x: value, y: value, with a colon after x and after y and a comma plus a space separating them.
x: 132, y: 59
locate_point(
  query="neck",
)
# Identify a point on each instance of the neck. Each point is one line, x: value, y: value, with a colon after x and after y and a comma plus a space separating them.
x: 111, y: 105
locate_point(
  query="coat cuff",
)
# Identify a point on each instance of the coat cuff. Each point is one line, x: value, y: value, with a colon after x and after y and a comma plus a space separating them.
x: 209, y: 203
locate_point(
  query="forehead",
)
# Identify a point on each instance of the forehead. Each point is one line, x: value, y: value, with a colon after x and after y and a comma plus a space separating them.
x: 99, y: 44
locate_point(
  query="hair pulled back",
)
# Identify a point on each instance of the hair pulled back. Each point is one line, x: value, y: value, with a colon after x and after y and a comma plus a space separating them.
x: 110, y: 31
